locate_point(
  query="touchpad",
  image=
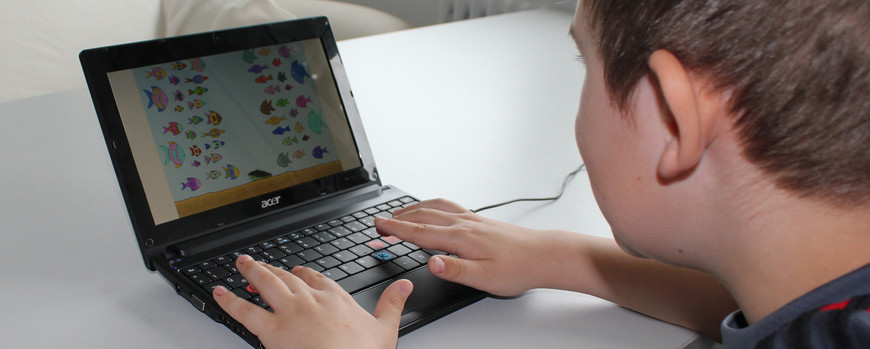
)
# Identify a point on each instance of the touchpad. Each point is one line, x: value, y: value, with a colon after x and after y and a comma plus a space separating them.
x: 429, y: 295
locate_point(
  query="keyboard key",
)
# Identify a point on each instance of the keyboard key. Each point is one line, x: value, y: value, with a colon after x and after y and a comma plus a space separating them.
x: 392, y: 240
x: 368, y: 221
x: 395, y: 203
x: 210, y: 287
x: 376, y: 244
x: 358, y: 238
x: 322, y: 227
x: 387, y: 214
x: 309, y: 255
x: 372, y: 233
x: 420, y: 256
x: 343, y: 243
x: 335, y: 223
x: 368, y: 277
x: 267, y: 245
x: 360, y: 215
x: 334, y: 274
x: 345, y: 256
x: 292, y: 261
x: 307, y: 242
x: 283, y: 240
x: 407, y: 200
x: 340, y: 231
x: 347, y: 219
x: 313, y: 265
x: 207, y: 265
x: 235, y: 281
x: 361, y: 250
x: 200, y: 279
x: 411, y: 246
x: 273, y: 254
x: 242, y: 293
x: 290, y: 248
x: 399, y: 250
x: 310, y: 231
x: 383, y: 207
x: 367, y: 262
x: 351, y: 268
x: 253, y: 249
x: 328, y: 262
x: 324, y: 237
x: 223, y: 260
x: 383, y: 256
x: 406, y: 263
x: 190, y: 270
x: 279, y: 265
x: 298, y: 235
x: 355, y: 226
x: 326, y: 249
x: 217, y: 273
x: 372, y: 210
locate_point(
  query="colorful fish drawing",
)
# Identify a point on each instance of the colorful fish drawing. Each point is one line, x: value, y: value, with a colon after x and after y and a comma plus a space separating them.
x: 262, y: 79
x: 315, y: 121
x: 256, y: 175
x: 214, y: 118
x: 173, y: 154
x: 298, y: 154
x: 174, y: 80
x: 248, y: 56
x: 157, y: 98
x: 266, y: 107
x: 157, y: 72
x: 276, y: 62
x: 214, y: 144
x: 285, y: 51
x: 317, y: 152
x: 196, y: 103
x: 282, y: 102
x: 195, y: 163
x: 195, y: 151
x: 284, y: 159
x: 179, y: 96
x: 178, y: 66
x: 297, y: 72
x: 213, y: 158
x: 232, y: 172
x: 303, y: 101
x: 282, y: 77
x: 192, y: 183
x: 191, y: 134
x: 258, y: 68
x: 294, y: 112
x: 195, y: 120
x: 214, y: 133
x: 305, y: 138
x: 280, y: 130
x: 197, y: 64
x: 265, y: 51
x: 213, y: 174
x: 275, y: 120
x: 273, y: 89
x: 290, y: 140
x: 173, y: 127
x: 196, y: 79
x: 199, y: 90
x: 299, y: 127
x: 179, y: 108
x: 288, y: 87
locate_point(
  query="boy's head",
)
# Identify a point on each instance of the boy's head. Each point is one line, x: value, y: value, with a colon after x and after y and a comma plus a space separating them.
x: 797, y: 72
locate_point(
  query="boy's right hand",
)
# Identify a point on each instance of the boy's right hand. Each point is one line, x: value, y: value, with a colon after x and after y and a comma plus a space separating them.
x: 495, y: 257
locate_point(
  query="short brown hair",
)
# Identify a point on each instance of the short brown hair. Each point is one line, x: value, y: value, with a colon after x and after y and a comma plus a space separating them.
x: 798, y: 72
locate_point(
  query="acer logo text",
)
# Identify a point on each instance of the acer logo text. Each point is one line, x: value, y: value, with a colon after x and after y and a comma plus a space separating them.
x: 270, y: 202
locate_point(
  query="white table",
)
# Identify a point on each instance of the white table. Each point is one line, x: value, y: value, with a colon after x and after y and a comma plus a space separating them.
x: 478, y: 112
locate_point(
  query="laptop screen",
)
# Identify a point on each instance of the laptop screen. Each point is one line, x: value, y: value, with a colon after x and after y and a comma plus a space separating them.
x: 209, y: 131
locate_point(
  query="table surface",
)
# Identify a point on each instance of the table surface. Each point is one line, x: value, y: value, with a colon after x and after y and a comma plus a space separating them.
x: 478, y: 112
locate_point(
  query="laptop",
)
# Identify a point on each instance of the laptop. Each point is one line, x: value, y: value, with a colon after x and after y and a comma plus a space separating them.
x: 248, y: 141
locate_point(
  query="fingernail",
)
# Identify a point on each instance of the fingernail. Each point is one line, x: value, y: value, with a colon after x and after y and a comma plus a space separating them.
x: 406, y: 288
x: 245, y: 259
x: 438, y: 266
x: 220, y: 291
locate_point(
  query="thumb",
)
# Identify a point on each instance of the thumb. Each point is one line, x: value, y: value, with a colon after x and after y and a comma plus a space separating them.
x: 389, y: 308
x: 454, y: 269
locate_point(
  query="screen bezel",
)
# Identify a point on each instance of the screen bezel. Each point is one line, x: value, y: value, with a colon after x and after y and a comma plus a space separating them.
x: 155, y: 238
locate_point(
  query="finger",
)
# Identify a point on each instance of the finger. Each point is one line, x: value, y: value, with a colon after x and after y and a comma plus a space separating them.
x: 254, y: 318
x: 269, y: 286
x: 438, y: 204
x: 313, y: 278
x: 389, y: 308
x: 294, y: 284
x: 458, y: 270
x: 423, y: 235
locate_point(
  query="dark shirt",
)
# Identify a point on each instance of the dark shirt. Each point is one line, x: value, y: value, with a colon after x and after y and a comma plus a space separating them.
x: 835, y: 315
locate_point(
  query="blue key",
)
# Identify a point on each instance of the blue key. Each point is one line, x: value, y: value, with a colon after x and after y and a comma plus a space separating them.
x: 384, y: 256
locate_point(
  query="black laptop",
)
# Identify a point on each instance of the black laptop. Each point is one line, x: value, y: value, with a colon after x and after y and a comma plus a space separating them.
x: 248, y: 141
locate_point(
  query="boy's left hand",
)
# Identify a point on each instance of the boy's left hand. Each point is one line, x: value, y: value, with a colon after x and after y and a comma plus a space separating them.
x: 312, y: 311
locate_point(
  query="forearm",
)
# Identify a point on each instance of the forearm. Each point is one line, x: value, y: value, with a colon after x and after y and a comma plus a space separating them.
x: 597, y: 266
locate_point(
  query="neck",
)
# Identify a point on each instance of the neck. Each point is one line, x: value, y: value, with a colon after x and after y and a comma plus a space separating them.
x: 787, y: 247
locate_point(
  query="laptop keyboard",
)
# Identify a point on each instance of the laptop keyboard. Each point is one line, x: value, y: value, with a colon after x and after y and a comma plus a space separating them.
x: 347, y: 250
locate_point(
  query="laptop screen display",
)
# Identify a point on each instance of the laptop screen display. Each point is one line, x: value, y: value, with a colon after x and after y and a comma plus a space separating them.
x: 210, y: 131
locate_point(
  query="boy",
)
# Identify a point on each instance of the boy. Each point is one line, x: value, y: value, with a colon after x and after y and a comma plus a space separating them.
x: 732, y: 157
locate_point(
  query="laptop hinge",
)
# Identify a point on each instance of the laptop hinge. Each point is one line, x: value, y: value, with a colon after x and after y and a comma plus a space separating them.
x: 294, y: 217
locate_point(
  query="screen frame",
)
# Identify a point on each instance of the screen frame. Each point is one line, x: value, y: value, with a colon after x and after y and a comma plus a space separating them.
x: 153, y: 238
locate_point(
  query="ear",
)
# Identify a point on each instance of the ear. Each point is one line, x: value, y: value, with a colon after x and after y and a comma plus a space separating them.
x: 691, y: 114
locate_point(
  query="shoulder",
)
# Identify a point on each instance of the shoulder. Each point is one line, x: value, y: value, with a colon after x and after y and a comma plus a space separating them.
x: 835, y: 315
